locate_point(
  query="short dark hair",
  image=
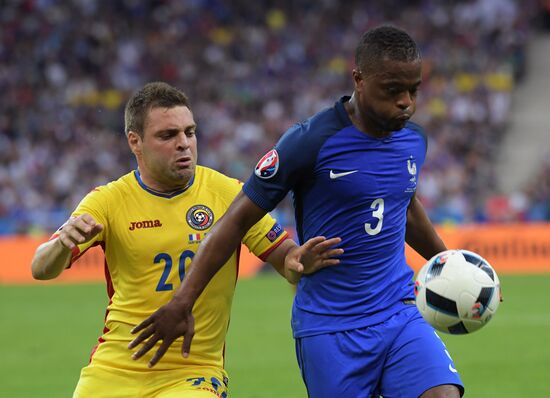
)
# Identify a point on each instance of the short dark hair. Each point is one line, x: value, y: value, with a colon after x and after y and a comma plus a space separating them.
x: 152, y: 95
x: 385, y: 42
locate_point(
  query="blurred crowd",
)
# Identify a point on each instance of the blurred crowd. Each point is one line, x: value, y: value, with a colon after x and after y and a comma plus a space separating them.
x: 251, y: 70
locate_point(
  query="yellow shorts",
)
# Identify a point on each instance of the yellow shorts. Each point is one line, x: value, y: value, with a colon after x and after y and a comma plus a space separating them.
x: 112, y: 373
x: 102, y: 382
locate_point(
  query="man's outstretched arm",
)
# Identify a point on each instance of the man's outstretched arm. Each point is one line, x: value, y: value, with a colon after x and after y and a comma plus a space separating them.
x: 293, y: 261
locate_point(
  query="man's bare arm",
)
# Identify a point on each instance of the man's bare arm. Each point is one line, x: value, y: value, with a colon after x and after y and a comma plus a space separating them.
x: 52, y: 257
x: 420, y: 233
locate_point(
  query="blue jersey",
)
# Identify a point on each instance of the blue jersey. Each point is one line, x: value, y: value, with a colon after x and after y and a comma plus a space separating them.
x: 349, y: 184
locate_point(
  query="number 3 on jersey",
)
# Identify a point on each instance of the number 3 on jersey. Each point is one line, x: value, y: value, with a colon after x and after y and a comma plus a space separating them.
x: 167, y: 259
x: 378, y: 212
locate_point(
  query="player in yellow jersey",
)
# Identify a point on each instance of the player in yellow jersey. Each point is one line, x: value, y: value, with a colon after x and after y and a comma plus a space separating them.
x: 149, y: 223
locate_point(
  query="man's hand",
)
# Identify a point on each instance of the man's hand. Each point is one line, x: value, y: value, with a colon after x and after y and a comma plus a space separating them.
x: 167, y: 323
x: 78, y: 230
x: 313, y: 255
x: 53, y: 256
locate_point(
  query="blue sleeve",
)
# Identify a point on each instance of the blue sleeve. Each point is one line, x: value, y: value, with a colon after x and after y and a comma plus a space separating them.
x: 282, y: 168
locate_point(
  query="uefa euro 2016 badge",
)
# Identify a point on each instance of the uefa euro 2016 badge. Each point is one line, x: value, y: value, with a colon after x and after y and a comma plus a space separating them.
x: 268, y: 165
x: 199, y: 217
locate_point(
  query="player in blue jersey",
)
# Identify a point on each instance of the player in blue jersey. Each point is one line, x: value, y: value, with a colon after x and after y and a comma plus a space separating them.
x: 353, y: 171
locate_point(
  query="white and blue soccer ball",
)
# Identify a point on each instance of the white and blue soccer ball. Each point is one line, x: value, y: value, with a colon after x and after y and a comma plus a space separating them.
x: 457, y: 291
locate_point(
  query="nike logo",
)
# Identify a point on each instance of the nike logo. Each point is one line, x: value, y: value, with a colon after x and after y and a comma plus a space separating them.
x: 452, y: 369
x: 334, y: 175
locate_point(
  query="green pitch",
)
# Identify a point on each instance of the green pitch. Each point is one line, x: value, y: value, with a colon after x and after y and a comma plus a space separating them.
x: 47, y: 333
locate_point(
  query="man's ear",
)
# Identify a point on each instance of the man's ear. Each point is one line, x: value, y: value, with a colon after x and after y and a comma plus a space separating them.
x: 134, y: 142
x: 357, y: 79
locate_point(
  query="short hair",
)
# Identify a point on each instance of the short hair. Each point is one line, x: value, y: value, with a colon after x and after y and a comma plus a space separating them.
x: 385, y: 42
x: 152, y: 95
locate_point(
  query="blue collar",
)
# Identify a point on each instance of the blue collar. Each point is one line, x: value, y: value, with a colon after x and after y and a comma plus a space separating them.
x: 162, y: 194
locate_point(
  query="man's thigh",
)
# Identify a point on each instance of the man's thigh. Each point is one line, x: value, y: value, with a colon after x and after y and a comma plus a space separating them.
x: 344, y: 364
x: 100, y: 382
x: 417, y: 361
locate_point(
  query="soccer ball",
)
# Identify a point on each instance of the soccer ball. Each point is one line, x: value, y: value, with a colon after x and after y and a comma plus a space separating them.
x: 457, y: 291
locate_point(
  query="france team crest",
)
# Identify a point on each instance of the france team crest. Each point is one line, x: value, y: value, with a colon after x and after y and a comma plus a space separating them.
x: 268, y: 165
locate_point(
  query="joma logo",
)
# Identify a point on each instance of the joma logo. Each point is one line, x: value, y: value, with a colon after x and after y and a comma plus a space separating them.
x: 144, y: 224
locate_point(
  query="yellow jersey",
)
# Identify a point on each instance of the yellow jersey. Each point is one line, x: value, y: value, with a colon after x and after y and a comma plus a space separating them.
x: 149, y: 240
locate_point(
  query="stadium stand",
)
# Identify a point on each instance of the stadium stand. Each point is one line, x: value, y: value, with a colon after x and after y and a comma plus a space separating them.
x: 527, y: 141
x: 251, y: 69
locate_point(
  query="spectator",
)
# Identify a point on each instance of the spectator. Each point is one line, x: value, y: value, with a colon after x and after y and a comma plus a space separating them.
x: 66, y: 70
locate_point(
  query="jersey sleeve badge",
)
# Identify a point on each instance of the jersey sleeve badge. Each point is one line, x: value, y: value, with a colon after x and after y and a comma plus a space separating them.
x: 268, y: 165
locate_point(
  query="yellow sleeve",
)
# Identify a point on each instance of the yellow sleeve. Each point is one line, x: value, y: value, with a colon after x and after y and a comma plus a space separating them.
x: 94, y: 204
x: 265, y: 236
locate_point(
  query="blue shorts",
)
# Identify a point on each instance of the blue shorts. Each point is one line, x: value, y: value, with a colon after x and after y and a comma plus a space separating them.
x: 399, y: 358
